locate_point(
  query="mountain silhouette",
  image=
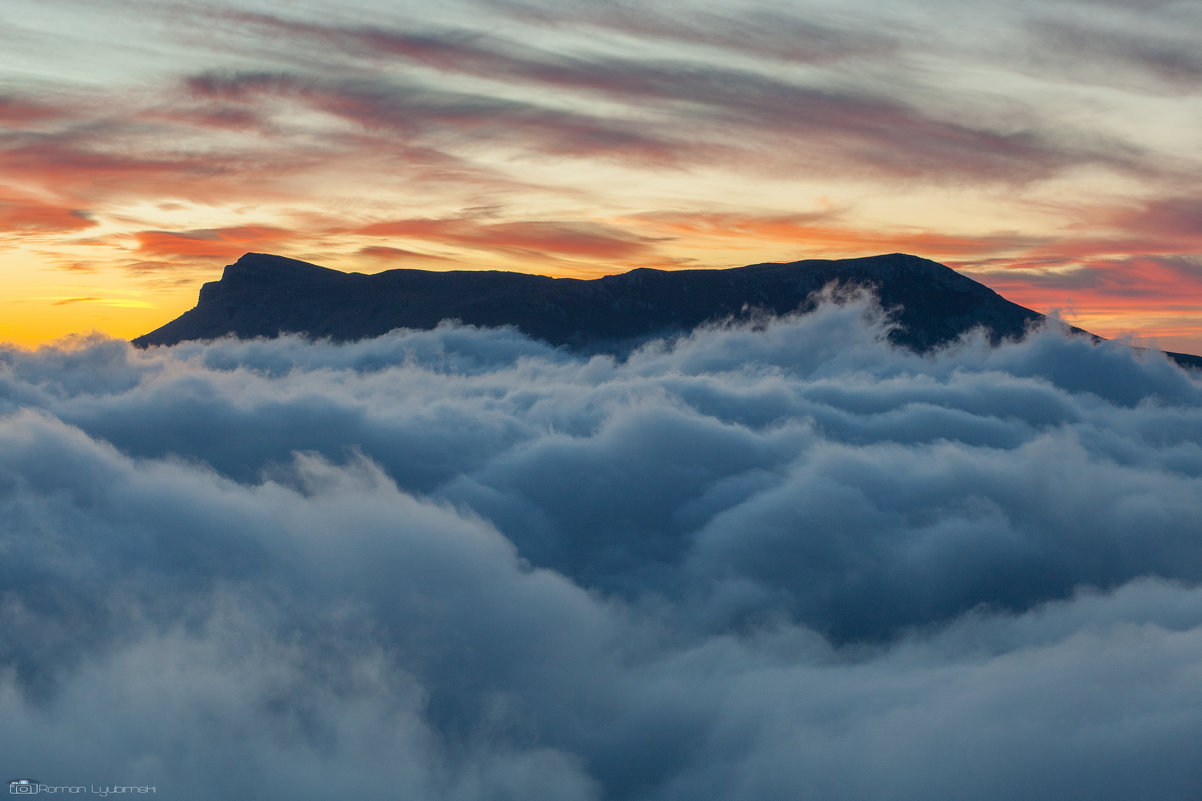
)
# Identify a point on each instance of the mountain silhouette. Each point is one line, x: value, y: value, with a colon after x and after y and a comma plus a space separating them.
x: 263, y: 295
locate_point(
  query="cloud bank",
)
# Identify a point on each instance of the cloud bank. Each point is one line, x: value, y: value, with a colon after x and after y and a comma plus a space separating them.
x: 781, y: 561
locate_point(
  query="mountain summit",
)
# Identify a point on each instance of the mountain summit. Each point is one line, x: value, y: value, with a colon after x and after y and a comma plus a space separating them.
x: 262, y: 295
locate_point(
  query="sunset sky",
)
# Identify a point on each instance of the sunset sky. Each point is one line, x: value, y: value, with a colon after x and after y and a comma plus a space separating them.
x: 1051, y: 149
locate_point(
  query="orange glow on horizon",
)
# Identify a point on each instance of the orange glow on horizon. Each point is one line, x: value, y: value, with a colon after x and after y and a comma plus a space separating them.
x: 77, y: 306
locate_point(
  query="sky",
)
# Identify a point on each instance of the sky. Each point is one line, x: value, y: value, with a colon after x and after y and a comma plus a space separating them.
x: 777, y: 561
x: 1048, y: 149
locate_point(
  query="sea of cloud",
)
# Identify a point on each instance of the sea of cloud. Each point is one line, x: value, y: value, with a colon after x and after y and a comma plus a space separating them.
x: 784, y: 560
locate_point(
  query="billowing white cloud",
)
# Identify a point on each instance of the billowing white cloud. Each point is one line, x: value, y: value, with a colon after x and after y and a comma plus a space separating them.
x: 786, y: 560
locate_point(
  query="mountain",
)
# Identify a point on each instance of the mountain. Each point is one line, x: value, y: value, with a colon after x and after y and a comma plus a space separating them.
x: 262, y: 295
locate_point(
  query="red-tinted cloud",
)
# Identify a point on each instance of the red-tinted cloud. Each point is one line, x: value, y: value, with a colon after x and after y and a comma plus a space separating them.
x: 214, y: 244
x: 363, y: 115
x: 19, y: 112
x: 558, y: 238
x: 70, y: 168
x: 1173, y: 221
x: 23, y: 214
x: 398, y: 256
x: 1133, y: 283
x: 1134, y: 258
x: 820, y: 233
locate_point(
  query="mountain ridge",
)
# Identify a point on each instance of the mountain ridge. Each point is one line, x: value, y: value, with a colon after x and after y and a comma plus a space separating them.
x: 265, y: 295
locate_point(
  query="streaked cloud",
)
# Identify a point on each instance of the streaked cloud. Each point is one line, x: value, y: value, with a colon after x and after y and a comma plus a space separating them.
x: 532, y: 238
x: 28, y: 214
x: 773, y: 33
x: 1011, y: 135
x: 21, y: 111
x: 1136, y: 56
x: 823, y: 232
x: 864, y: 129
x: 212, y: 244
x: 69, y: 301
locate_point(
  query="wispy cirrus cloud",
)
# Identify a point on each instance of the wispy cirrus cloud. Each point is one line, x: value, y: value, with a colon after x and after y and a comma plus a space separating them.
x: 827, y: 232
x: 93, y: 163
x: 1129, y: 53
x: 69, y: 301
x: 19, y: 111
x: 1148, y: 261
x: 22, y: 214
x: 1173, y: 220
x: 211, y: 244
x: 379, y: 107
x: 394, y: 256
x: 867, y: 128
x: 586, y: 127
x: 678, y: 112
x: 768, y: 33
x: 1154, y: 284
x: 531, y: 238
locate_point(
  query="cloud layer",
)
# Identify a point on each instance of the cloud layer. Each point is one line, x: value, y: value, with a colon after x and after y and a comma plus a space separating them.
x: 787, y: 561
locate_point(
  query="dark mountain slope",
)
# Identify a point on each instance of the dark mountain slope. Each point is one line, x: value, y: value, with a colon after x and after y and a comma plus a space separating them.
x: 263, y: 296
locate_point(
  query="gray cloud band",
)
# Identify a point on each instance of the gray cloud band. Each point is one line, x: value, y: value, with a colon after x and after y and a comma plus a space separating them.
x: 787, y: 561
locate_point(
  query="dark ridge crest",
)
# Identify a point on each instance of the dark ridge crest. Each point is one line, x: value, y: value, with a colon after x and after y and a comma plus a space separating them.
x: 264, y: 295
